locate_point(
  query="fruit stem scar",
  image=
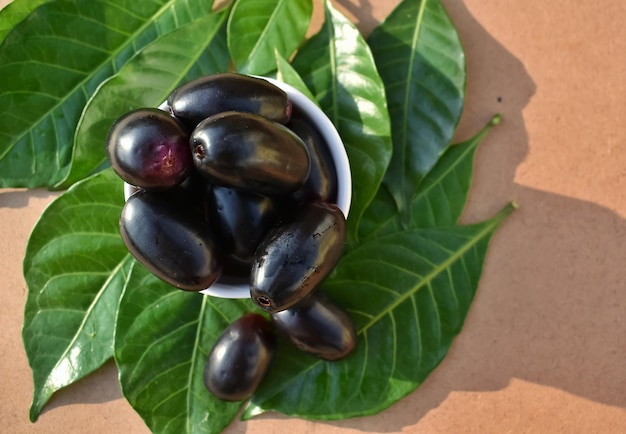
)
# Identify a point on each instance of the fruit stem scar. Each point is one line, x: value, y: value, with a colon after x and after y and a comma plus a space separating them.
x: 264, y: 301
x: 199, y: 151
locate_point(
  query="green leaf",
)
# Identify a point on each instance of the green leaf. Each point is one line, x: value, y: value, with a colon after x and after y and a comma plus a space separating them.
x: 440, y: 197
x: 75, y: 267
x: 15, y: 12
x: 287, y: 74
x: 407, y: 284
x: 54, y: 60
x: 195, y: 49
x: 258, y: 27
x: 408, y: 294
x: 338, y: 67
x: 421, y: 60
x: 163, y: 338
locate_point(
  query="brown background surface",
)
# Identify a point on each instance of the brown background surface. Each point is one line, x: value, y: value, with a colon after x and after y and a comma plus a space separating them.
x: 544, y: 346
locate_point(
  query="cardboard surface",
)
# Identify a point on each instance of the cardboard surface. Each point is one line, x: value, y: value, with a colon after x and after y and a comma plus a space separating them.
x: 543, y: 349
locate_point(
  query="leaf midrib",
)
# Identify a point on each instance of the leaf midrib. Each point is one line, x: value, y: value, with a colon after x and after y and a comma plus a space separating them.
x: 192, y: 369
x: 179, y: 77
x: 333, y: 62
x: 471, y: 145
x: 436, y: 270
x: 272, y: 18
x: 436, y: 182
x: 407, y: 93
x: 48, y: 384
x: 81, y: 84
x: 492, y: 224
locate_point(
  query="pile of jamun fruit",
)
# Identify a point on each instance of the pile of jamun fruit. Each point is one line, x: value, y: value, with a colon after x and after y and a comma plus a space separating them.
x: 234, y: 183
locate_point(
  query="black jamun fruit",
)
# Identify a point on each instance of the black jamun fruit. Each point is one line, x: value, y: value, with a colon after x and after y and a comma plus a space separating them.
x: 171, y: 239
x: 249, y: 152
x: 318, y: 326
x: 240, y: 358
x: 240, y: 219
x: 212, y: 94
x: 295, y: 257
x: 321, y: 184
x: 149, y: 148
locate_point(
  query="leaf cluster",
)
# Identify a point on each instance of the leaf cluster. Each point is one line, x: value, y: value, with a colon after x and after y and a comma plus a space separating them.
x: 69, y: 68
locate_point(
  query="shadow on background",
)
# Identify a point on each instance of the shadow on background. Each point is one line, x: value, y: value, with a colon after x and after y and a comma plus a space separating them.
x: 551, y: 303
x: 19, y: 198
x: 98, y: 387
x: 550, y: 306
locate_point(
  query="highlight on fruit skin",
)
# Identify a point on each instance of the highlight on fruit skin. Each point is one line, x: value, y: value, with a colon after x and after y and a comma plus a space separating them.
x: 171, y: 239
x: 241, y: 219
x: 249, y: 195
x: 240, y: 358
x: 148, y: 148
x: 217, y: 93
x: 295, y: 257
x: 318, y: 326
x: 250, y: 152
x: 321, y: 183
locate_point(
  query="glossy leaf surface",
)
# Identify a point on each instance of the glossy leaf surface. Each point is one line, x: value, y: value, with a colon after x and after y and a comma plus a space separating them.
x: 421, y: 60
x: 406, y: 280
x: 257, y: 28
x: 440, y: 197
x: 53, y: 61
x: 337, y: 66
x: 287, y: 74
x: 162, y: 343
x: 195, y: 49
x: 75, y: 267
x: 408, y: 294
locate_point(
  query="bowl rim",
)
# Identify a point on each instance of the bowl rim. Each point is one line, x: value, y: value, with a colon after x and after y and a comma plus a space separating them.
x: 340, y: 159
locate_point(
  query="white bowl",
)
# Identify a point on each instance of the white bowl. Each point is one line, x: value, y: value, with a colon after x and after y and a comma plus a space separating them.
x: 342, y: 167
